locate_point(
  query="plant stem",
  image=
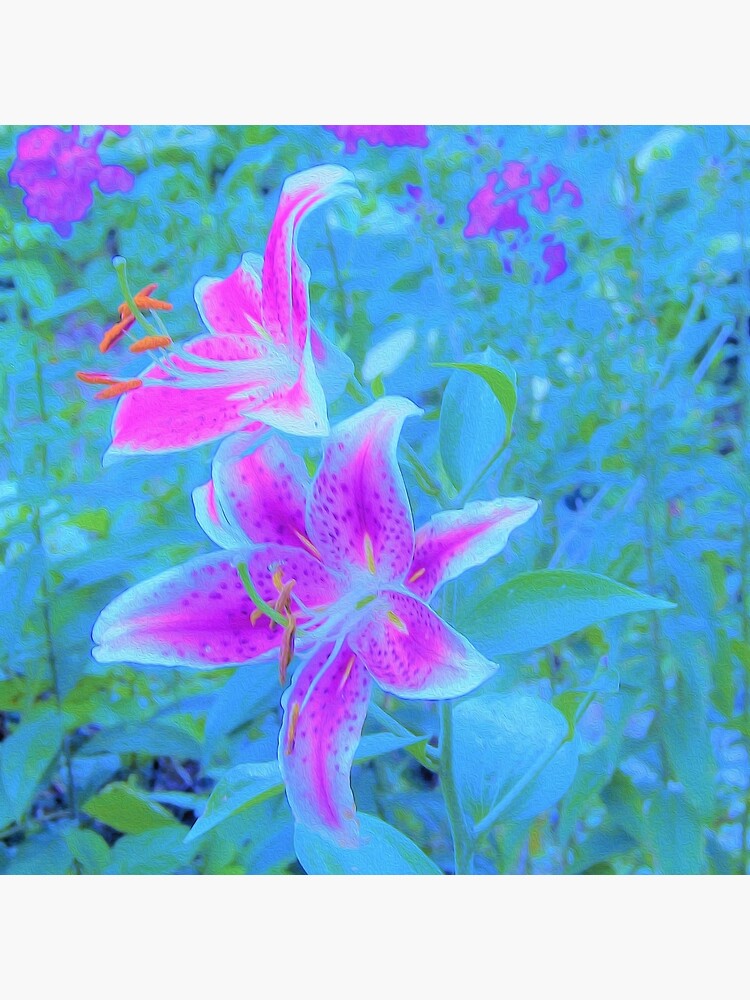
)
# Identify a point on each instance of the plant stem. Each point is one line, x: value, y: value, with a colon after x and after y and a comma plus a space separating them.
x: 463, y: 839
x: 43, y: 587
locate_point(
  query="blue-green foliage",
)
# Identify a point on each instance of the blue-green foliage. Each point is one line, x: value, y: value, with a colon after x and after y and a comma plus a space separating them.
x: 614, y: 736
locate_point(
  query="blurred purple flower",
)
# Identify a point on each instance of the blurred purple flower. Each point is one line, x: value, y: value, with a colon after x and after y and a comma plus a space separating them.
x: 379, y: 135
x: 56, y: 168
x: 502, y: 204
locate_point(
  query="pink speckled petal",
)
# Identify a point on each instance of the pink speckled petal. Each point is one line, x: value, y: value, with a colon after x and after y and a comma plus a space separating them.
x: 455, y: 540
x: 198, y: 614
x: 194, y: 615
x: 285, y: 279
x: 162, y: 418
x: 358, y: 513
x: 413, y: 653
x: 316, y: 759
x: 232, y: 305
x: 263, y: 494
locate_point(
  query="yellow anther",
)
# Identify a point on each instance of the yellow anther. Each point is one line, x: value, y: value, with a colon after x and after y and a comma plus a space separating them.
x: 347, y: 672
x: 416, y: 575
x: 308, y: 544
x: 394, y: 619
x: 370, y: 554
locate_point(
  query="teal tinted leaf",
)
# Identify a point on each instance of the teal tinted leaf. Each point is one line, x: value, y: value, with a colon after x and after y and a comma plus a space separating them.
x: 500, y: 376
x: 240, y: 788
x: 537, y: 608
x: 471, y: 428
x: 25, y: 757
x: 156, y: 738
x: 676, y: 835
x: 153, y: 852
x: 688, y: 743
x: 410, y: 282
x: 250, y: 784
x: 383, y: 850
x: 88, y: 849
x: 128, y: 810
x: 513, y: 758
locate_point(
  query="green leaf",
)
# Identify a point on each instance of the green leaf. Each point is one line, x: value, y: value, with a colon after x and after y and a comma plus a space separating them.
x: 383, y: 850
x: 241, y: 787
x: 250, y: 784
x: 411, y: 282
x: 128, y: 810
x: 155, y: 852
x: 89, y: 849
x: 676, y: 835
x: 500, y: 376
x: 513, y: 757
x: 25, y: 757
x: 534, y: 609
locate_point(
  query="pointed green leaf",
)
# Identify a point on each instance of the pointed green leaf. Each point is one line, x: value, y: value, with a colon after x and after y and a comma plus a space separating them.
x: 537, y: 608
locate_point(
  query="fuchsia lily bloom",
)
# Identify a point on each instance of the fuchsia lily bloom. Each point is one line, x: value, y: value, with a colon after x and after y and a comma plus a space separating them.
x: 338, y: 557
x: 257, y: 365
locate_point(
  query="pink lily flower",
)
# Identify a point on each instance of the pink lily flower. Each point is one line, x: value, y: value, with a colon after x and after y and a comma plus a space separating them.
x: 256, y: 367
x: 338, y: 562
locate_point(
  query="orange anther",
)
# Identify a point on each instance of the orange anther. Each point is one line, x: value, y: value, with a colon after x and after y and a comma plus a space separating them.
x: 114, y: 333
x: 118, y: 388
x: 146, y: 302
x: 292, y: 730
x: 416, y: 575
x: 124, y: 308
x: 95, y: 378
x: 149, y: 343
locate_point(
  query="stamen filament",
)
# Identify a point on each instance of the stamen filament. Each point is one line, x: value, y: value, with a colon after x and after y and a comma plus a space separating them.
x: 257, y: 600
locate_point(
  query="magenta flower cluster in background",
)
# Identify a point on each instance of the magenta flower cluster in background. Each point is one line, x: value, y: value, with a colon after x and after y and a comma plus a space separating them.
x: 379, y: 135
x: 505, y: 202
x: 56, y: 169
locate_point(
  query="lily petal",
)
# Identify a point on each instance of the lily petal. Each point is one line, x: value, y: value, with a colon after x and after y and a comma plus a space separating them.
x: 411, y: 652
x: 213, y: 520
x: 194, y: 615
x: 285, y: 279
x: 163, y: 418
x: 319, y: 736
x: 456, y: 540
x: 233, y: 304
x: 198, y: 614
x: 358, y: 513
x: 300, y: 409
x: 262, y: 495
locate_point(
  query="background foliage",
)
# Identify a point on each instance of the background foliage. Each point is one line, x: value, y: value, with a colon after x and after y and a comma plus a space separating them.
x: 631, y: 427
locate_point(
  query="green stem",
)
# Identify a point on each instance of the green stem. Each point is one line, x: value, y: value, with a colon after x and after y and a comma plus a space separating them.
x: 463, y: 837
x: 121, y: 267
x: 43, y: 586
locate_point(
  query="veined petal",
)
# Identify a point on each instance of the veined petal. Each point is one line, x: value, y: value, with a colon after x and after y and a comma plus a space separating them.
x: 233, y: 304
x: 285, y: 281
x: 199, y: 615
x: 358, y: 513
x: 333, y: 366
x: 262, y: 495
x: 455, y: 540
x: 319, y: 736
x: 411, y: 652
x: 299, y: 409
x: 176, y: 415
x: 212, y: 519
x: 194, y: 615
